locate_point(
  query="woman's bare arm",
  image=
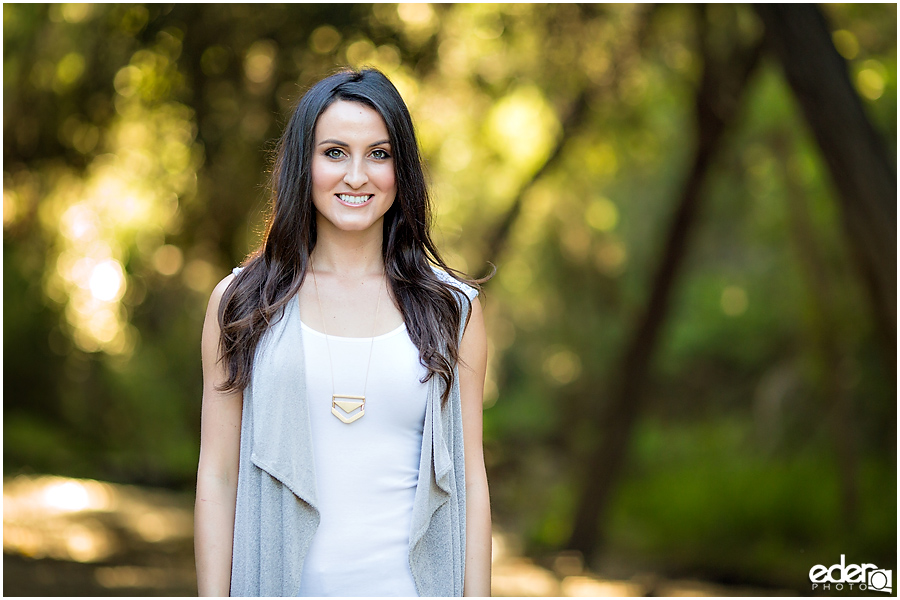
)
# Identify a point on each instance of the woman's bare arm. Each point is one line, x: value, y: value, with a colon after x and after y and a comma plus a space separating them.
x: 220, y: 440
x: 472, y: 367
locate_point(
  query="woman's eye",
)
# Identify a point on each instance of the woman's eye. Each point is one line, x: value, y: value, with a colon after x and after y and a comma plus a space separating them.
x: 333, y: 153
x: 380, y: 154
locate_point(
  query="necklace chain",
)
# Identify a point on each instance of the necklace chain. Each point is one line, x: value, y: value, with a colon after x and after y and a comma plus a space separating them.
x: 336, y: 408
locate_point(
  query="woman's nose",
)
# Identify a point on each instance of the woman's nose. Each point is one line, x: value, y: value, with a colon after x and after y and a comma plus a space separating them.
x: 356, y: 175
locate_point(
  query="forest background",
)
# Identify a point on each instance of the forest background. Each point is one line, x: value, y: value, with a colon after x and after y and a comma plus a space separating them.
x: 692, y: 340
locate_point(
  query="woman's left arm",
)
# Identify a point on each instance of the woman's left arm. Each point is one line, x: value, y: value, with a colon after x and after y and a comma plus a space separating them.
x: 472, y: 367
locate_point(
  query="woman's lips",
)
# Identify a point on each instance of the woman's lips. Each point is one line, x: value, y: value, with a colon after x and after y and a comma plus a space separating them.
x: 354, y: 200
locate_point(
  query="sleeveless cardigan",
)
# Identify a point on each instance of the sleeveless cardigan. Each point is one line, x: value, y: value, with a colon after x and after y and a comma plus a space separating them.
x: 276, y: 511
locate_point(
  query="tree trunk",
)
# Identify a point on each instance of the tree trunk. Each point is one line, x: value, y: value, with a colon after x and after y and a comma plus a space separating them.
x: 717, y: 102
x: 856, y: 157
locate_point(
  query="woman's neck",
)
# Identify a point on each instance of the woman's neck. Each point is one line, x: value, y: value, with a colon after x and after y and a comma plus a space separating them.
x: 348, y: 253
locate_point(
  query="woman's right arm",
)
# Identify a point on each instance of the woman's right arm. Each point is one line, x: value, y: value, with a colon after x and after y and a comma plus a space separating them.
x: 217, y: 473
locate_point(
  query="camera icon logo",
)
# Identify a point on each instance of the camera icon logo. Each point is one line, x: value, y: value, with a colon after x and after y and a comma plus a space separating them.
x: 861, y: 577
x: 880, y: 580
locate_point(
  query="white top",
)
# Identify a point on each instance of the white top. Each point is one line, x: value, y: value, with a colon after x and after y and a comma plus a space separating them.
x: 366, y: 471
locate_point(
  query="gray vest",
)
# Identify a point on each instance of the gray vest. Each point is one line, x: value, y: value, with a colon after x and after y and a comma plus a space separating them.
x: 276, y: 513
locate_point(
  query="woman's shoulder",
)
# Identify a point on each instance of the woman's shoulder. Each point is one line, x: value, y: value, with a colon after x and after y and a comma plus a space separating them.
x: 465, y: 288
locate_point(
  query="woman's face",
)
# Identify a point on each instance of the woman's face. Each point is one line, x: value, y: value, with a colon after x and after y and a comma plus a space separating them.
x: 353, y: 177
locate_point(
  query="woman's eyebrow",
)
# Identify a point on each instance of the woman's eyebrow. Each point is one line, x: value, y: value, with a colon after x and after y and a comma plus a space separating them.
x: 346, y: 145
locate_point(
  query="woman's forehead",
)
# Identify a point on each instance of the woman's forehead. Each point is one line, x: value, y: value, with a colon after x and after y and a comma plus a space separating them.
x: 350, y: 118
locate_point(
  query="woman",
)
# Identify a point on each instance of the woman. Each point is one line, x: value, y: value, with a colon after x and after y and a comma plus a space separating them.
x: 341, y: 437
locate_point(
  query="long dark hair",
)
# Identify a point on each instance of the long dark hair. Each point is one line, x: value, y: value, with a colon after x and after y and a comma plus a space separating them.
x: 273, y: 274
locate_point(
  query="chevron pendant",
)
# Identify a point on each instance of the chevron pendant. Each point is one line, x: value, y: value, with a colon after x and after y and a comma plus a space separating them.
x: 348, y: 408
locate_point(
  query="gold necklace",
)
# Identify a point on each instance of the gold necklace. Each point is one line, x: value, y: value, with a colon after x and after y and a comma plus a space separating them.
x: 349, y: 408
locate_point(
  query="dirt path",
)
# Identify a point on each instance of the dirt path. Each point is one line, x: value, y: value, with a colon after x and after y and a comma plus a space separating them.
x: 76, y: 537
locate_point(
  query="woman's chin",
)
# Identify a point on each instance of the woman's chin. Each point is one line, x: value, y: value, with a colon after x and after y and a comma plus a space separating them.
x: 352, y: 225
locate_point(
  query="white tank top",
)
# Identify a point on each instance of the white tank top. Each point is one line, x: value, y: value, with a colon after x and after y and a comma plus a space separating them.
x: 366, y: 471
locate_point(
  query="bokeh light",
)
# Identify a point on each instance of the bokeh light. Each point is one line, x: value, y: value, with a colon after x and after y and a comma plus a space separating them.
x: 58, y: 517
x: 146, y: 169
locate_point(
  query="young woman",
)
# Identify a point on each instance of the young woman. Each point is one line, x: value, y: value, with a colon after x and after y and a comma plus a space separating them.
x: 343, y: 373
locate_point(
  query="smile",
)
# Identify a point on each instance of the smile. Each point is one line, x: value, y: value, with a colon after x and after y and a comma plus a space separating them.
x: 354, y: 200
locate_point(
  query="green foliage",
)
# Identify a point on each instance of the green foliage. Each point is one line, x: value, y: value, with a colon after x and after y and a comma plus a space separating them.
x: 702, y: 493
